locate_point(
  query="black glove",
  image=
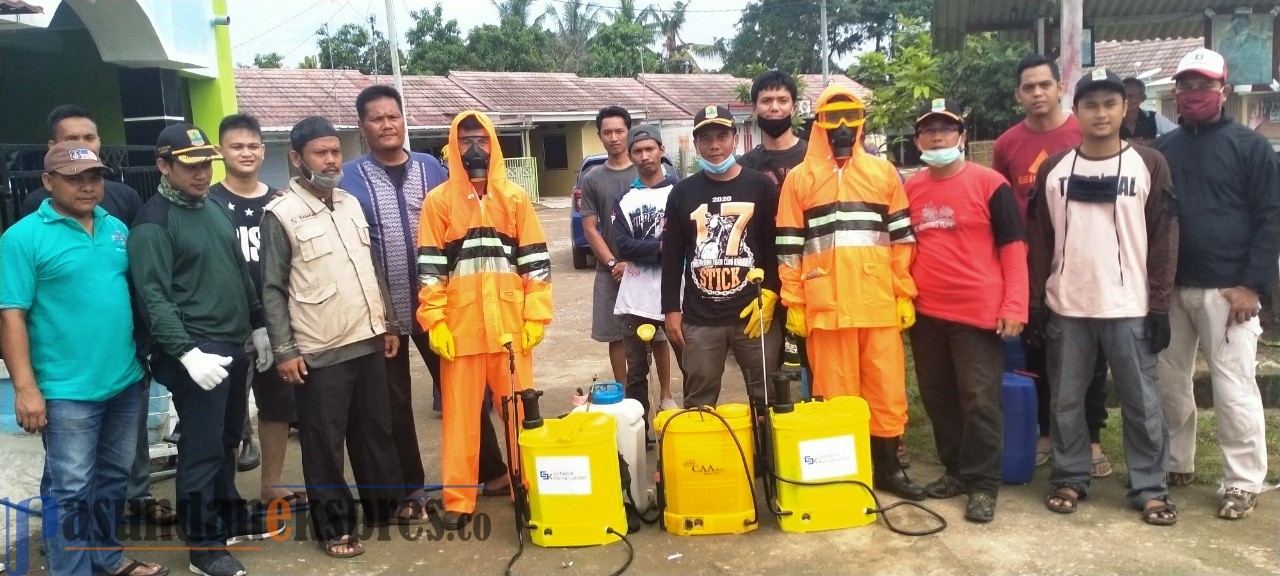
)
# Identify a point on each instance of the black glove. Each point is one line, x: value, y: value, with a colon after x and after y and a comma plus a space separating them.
x: 1158, y: 330
x: 1037, y: 323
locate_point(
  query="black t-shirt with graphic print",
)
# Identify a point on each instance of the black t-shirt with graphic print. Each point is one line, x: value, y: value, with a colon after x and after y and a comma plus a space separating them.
x: 247, y: 215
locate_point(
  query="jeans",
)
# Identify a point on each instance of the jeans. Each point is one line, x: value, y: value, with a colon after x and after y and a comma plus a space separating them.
x: 209, y: 507
x: 89, y: 451
x: 138, y: 489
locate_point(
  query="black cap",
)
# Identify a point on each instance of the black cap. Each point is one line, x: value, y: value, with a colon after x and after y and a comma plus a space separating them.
x: 1098, y: 78
x: 186, y: 144
x: 712, y: 115
x: 308, y: 129
x: 644, y: 132
x: 942, y: 108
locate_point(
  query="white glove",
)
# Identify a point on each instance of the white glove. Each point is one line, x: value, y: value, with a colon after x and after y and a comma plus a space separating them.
x: 262, y: 344
x: 207, y: 370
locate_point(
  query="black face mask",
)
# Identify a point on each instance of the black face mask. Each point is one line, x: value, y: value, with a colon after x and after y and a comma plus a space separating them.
x: 476, y: 161
x: 774, y: 127
x: 841, y: 140
x: 1095, y: 189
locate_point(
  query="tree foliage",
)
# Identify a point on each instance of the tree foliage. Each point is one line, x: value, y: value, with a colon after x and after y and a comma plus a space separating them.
x: 679, y: 56
x: 309, y: 63
x: 435, y: 44
x: 352, y: 47
x: 619, y: 50
x: 981, y: 79
x: 510, y: 47
x: 268, y: 60
x: 900, y: 79
x: 573, y: 25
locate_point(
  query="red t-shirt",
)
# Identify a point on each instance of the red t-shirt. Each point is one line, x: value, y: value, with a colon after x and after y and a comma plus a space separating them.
x: 971, y: 247
x: 1019, y: 152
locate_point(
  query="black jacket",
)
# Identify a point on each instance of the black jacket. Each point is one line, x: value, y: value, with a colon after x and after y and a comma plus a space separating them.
x: 1228, y: 198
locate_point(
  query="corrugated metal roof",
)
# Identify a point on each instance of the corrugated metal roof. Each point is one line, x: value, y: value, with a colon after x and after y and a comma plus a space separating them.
x: 1111, y: 19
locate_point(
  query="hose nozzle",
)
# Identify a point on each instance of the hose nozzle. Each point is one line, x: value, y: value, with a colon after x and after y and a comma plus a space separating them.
x: 755, y: 276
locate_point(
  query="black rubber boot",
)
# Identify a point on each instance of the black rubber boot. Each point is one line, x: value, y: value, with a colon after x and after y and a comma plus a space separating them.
x: 888, y: 471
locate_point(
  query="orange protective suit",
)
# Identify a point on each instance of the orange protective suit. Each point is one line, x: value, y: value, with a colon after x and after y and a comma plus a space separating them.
x: 485, y: 272
x: 844, y: 249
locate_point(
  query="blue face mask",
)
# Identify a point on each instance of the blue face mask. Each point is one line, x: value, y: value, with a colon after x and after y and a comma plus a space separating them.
x: 720, y: 168
x: 941, y: 157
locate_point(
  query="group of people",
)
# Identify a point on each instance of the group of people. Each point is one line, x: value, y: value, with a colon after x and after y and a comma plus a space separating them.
x: 309, y: 294
x: 1097, y: 251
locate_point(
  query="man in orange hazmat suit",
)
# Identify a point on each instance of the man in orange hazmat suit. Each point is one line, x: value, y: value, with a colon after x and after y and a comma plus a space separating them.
x: 844, y: 249
x: 485, y: 274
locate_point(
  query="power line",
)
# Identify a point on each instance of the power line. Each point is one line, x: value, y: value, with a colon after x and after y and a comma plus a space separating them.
x: 277, y: 26
x: 615, y: 7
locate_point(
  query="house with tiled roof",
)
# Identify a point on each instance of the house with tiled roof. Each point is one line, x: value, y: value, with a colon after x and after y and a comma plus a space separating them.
x: 542, y: 118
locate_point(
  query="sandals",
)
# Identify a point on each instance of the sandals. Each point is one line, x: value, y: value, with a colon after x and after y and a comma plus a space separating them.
x: 295, y: 502
x: 419, y: 513
x: 1172, y: 479
x: 150, y: 511
x: 499, y: 487
x: 1101, y: 467
x: 352, y: 545
x: 1042, y: 456
x: 1160, y: 512
x: 131, y: 569
x: 1064, y: 498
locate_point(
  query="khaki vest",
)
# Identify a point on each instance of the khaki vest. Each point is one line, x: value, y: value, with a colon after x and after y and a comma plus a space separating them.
x: 334, y: 298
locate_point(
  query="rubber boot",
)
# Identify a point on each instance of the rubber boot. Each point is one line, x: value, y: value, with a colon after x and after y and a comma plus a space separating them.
x: 888, y: 471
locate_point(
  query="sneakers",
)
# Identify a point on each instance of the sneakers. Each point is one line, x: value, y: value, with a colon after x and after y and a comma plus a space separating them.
x: 255, y: 530
x: 668, y: 404
x: 947, y: 486
x: 216, y: 563
x: 1237, y: 504
x: 981, y: 508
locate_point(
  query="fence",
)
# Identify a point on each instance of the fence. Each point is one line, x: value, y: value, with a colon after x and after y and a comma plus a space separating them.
x: 524, y: 171
x: 22, y: 164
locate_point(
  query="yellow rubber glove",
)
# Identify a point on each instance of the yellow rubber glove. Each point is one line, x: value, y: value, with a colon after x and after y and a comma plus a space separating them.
x: 906, y: 313
x: 532, y: 334
x: 796, y: 323
x: 761, y: 319
x: 441, y: 340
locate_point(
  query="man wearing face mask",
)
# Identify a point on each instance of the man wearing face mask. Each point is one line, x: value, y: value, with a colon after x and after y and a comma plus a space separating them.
x: 486, y: 290
x: 200, y: 306
x: 332, y: 328
x: 720, y: 226
x: 1226, y: 179
x: 971, y: 270
x: 773, y: 95
x: 845, y: 246
x: 1103, y: 243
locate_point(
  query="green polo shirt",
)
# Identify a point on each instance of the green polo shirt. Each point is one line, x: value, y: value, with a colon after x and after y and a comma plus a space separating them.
x: 75, y: 290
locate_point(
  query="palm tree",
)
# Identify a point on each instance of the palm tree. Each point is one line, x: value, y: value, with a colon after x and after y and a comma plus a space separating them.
x: 678, y: 55
x: 628, y: 13
x: 516, y: 11
x: 574, y: 25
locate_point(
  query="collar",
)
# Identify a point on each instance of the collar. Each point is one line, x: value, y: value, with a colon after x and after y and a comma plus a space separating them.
x: 667, y: 180
x: 1197, y: 128
x: 49, y: 215
x: 313, y: 203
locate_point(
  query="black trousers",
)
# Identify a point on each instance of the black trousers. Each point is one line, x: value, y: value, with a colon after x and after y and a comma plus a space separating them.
x: 1095, y: 398
x: 209, y: 506
x: 638, y: 353
x: 403, y: 429
x: 347, y: 404
x: 960, y: 369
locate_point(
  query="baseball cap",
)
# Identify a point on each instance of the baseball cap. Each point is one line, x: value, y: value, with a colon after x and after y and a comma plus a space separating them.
x: 70, y: 158
x: 713, y: 115
x: 1203, y: 61
x: 643, y: 132
x: 942, y: 108
x: 1099, y: 78
x: 186, y: 144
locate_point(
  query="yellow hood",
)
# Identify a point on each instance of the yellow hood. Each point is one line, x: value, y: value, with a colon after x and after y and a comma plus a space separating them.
x: 497, y: 165
x: 819, y: 146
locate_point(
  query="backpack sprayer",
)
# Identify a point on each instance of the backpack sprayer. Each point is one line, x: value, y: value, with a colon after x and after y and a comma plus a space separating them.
x: 566, y: 476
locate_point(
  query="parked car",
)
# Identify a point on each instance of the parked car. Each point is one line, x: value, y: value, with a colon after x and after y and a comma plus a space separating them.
x: 583, y: 257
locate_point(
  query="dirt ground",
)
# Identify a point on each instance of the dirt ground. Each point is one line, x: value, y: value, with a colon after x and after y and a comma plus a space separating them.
x: 1104, y: 537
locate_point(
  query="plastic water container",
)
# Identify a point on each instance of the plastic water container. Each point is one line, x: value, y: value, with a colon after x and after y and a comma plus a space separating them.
x: 572, y: 469
x: 8, y: 403
x: 823, y: 441
x: 609, y: 398
x: 1020, y: 428
x: 1014, y: 357
x: 706, y: 489
x: 158, y: 420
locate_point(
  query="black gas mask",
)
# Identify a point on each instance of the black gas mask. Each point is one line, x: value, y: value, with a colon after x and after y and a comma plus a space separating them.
x: 841, y: 140
x: 476, y: 161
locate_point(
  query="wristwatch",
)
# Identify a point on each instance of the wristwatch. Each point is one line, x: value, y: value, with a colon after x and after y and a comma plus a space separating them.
x: 611, y: 263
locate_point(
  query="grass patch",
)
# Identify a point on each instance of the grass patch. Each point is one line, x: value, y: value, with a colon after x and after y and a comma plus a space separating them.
x: 919, y: 436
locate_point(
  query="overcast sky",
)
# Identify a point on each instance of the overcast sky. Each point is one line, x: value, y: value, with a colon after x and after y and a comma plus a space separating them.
x: 288, y: 26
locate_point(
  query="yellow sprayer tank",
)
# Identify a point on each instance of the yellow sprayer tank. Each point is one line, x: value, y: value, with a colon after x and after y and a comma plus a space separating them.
x: 821, y: 441
x: 707, y: 489
x: 575, y: 488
